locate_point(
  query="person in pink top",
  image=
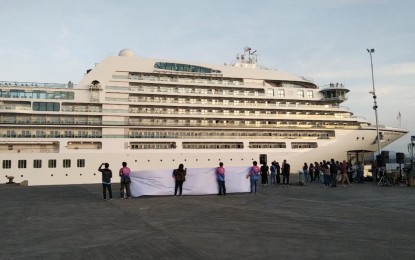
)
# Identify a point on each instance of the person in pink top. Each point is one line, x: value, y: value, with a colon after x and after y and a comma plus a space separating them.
x: 125, y: 181
x: 254, y: 176
x: 220, y: 176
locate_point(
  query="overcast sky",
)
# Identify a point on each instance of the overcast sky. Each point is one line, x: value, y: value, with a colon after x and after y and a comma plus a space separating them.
x: 325, y: 40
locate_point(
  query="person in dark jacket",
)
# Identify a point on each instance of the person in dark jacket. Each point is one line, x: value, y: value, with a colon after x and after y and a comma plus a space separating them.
x: 106, y: 180
x: 179, y: 176
x: 264, y: 174
x: 333, y: 173
x: 278, y: 167
x: 285, y: 173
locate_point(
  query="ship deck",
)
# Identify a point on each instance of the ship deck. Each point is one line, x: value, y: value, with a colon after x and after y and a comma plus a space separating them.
x: 365, y: 221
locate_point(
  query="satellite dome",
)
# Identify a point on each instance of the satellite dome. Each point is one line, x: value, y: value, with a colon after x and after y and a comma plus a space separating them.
x: 126, y: 53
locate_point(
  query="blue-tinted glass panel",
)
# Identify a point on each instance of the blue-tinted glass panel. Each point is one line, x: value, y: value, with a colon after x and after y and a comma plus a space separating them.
x: 183, y: 67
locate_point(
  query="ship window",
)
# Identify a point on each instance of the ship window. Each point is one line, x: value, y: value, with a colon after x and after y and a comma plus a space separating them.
x: 255, y: 145
x: 37, y: 163
x: 66, y: 163
x: 52, y: 163
x: 80, y: 163
x: 281, y: 93
x: 46, y: 106
x: 309, y: 94
x: 7, y: 164
x: 183, y: 67
x: 303, y: 145
x: 300, y: 93
x: 21, y: 164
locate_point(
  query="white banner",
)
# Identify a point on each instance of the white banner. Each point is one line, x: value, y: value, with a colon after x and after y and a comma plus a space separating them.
x: 199, y: 181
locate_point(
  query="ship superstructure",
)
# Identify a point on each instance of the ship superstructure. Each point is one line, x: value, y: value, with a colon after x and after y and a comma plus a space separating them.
x: 156, y: 114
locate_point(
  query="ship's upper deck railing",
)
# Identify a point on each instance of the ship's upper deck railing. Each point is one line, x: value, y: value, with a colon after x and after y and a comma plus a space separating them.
x: 36, y: 84
x: 228, y: 103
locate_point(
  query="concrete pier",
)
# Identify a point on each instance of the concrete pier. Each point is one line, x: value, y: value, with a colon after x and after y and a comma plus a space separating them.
x: 364, y: 221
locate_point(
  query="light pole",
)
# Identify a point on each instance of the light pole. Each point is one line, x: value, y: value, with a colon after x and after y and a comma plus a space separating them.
x: 375, y: 104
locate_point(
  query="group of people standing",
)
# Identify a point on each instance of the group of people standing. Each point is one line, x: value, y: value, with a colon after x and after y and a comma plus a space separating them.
x: 330, y: 170
x: 276, y: 170
x: 179, y: 176
x: 125, y: 180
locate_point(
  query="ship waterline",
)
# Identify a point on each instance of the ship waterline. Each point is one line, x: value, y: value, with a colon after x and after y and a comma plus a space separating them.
x: 155, y: 114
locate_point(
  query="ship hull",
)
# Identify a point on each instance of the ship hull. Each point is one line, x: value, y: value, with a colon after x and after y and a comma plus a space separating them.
x: 154, y: 159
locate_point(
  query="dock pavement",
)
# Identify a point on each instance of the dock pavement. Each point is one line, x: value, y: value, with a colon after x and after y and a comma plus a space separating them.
x: 365, y: 221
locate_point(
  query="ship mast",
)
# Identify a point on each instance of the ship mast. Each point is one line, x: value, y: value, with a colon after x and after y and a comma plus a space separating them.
x: 249, y: 58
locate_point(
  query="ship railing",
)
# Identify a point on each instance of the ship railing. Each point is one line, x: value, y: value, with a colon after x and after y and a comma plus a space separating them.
x: 239, y: 104
x: 43, y: 122
x: 9, y: 107
x: 81, y: 110
x: 242, y: 125
x: 240, y: 114
x: 229, y: 137
x: 185, y: 81
x: 35, y: 84
x: 362, y: 118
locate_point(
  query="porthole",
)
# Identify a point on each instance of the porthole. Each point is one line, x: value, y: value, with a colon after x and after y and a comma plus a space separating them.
x: 50, y: 175
x: 66, y: 174
x: 208, y: 160
x: 231, y: 159
x: 196, y: 160
x: 148, y: 160
x: 80, y: 174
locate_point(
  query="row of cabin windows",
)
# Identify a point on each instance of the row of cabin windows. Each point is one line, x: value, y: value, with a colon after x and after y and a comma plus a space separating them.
x: 212, y: 145
x: 37, y: 94
x: 245, y: 92
x: 37, y: 163
x: 192, y: 134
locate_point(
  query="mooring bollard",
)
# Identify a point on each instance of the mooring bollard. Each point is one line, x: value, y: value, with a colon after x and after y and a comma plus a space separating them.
x: 10, y: 180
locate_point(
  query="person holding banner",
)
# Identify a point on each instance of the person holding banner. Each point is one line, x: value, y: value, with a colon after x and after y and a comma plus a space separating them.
x: 179, y: 176
x: 220, y: 175
x: 254, y: 176
x: 125, y: 181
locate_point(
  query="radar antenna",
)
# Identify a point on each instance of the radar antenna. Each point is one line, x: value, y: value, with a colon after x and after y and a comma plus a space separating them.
x: 249, y: 58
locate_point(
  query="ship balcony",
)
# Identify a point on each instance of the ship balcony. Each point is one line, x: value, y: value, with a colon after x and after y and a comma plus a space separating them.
x: 167, y: 80
x: 239, y: 104
x: 252, y: 115
x: 12, y: 108
x: 219, y: 125
x: 43, y: 122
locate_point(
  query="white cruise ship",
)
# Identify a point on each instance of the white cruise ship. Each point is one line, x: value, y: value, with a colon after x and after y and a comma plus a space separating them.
x: 156, y: 114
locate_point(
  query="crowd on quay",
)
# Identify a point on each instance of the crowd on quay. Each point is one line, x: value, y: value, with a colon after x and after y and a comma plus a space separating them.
x: 329, y: 172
